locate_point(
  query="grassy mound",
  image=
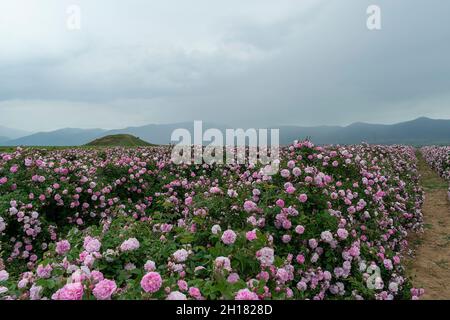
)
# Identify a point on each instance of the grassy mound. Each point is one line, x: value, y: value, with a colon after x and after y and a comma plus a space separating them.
x: 118, y: 140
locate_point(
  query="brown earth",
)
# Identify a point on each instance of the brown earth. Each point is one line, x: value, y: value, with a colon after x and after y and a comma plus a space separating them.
x: 429, y: 268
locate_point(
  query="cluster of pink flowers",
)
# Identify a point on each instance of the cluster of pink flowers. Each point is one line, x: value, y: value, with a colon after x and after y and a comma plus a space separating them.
x: 315, y: 230
x: 91, y: 244
x: 180, y: 255
x: 62, y: 247
x: 439, y: 159
x: 130, y: 244
x: 246, y: 294
x: 71, y: 291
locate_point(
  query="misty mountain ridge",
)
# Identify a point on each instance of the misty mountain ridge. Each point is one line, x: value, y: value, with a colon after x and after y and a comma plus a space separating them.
x: 421, y: 131
x: 10, y: 133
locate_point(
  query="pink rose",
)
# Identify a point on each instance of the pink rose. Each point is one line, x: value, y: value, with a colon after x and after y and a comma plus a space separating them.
x: 303, y: 198
x: 151, y: 282
x: 104, y: 289
x: 62, y: 247
x: 245, y: 294
x: 251, y: 235
x: 229, y: 237
x: 71, y: 291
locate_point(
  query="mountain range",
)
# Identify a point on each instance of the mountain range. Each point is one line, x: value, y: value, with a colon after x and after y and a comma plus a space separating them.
x: 421, y: 131
x: 9, y: 133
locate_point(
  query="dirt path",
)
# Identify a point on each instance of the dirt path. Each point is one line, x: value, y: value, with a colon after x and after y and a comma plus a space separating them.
x: 430, y: 267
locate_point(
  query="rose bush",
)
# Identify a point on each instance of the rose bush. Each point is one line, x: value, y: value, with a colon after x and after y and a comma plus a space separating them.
x: 439, y: 159
x: 122, y: 223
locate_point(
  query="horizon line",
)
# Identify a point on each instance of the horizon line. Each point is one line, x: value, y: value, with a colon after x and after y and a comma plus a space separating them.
x: 212, y: 122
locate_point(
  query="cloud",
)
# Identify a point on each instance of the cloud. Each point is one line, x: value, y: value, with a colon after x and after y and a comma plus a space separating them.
x: 254, y: 63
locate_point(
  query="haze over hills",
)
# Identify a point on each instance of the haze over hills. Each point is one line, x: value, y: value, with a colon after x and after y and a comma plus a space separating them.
x: 4, y: 139
x: 61, y: 137
x: 421, y: 131
x: 10, y: 133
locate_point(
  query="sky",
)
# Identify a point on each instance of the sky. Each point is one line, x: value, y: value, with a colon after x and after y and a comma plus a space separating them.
x: 254, y: 63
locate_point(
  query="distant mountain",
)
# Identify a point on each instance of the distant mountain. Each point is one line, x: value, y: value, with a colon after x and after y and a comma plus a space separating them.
x: 416, y: 132
x: 161, y: 133
x: 3, y: 140
x: 62, y: 137
x: 319, y: 134
x: 118, y: 140
x: 421, y: 131
x: 11, y: 133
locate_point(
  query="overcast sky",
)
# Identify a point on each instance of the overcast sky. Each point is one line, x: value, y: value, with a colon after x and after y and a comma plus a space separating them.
x: 238, y: 62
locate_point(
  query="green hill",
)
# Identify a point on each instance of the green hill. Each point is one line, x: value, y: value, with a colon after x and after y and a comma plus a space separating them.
x: 118, y: 140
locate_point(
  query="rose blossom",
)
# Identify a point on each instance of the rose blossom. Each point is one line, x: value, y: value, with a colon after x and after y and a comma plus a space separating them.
x: 129, y: 245
x: 71, y: 291
x: 303, y: 198
x: 3, y: 275
x: 104, y: 289
x: 176, y: 295
x: 180, y: 255
x: 245, y: 294
x: 151, y: 282
x: 150, y: 266
x: 265, y: 256
x: 44, y: 271
x: 229, y: 237
x: 91, y: 244
x: 251, y: 235
x: 62, y: 247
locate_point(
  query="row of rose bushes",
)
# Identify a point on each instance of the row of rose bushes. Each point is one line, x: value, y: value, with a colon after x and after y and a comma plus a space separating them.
x: 438, y: 157
x: 130, y: 224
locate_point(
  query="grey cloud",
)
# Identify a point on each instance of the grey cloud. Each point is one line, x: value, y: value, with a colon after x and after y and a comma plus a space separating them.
x: 267, y: 65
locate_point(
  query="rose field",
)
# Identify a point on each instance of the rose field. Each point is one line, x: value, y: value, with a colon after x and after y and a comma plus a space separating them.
x: 127, y: 223
x: 439, y: 160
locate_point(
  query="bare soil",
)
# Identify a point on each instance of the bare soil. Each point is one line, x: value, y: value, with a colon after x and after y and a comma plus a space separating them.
x: 430, y: 266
